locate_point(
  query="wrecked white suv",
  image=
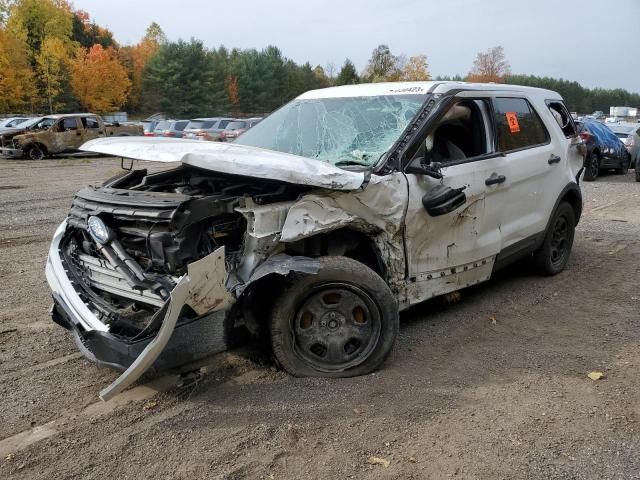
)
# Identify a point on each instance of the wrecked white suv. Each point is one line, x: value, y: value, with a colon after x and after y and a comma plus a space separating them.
x: 317, y: 226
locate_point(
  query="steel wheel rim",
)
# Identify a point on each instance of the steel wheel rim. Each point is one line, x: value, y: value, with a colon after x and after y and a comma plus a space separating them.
x: 336, y: 327
x: 560, y: 240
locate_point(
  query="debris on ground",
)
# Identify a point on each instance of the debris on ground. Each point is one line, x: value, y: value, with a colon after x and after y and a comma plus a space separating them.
x: 493, y: 320
x: 378, y: 461
x: 596, y: 376
x: 150, y: 405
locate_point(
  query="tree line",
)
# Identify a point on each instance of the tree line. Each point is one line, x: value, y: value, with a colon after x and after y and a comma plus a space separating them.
x: 54, y: 58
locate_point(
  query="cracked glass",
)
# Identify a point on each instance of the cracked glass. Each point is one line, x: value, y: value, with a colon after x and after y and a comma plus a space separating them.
x: 341, y: 131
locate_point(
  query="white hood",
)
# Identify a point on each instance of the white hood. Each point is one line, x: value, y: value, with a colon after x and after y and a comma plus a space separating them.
x: 232, y: 159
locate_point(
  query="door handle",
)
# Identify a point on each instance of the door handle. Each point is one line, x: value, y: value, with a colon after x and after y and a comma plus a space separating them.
x: 554, y: 159
x: 494, y: 179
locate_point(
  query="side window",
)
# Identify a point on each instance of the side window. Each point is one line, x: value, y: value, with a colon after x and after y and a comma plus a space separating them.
x: 69, y: 124
x: 563, y: 117
x: 180, y: 126
x: 459, y: 135
x: 90, y: 122
x: 518, y: 126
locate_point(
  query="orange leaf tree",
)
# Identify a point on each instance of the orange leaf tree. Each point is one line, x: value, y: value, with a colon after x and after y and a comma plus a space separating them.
x: 490, y: 66
x: 17, y: 88
x: 99, y: 80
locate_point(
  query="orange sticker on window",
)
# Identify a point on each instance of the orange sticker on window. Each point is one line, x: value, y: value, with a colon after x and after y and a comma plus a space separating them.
x: 512, y: 120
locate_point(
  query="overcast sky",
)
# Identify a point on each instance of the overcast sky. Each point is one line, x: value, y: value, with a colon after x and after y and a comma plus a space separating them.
x: 594, y: 42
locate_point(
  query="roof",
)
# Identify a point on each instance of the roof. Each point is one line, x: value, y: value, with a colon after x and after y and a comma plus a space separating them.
x: 623, y: 127
x: 419, y: 88
x: 65, y: 115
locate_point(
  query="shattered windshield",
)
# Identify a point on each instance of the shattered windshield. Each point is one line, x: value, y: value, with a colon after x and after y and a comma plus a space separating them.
x: 341, y: 131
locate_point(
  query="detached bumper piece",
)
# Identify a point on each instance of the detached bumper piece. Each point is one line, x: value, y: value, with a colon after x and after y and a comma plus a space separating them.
x: 191, y: 323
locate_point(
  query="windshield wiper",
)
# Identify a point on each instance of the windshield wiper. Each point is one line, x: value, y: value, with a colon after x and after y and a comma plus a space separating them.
x: 343, y: 163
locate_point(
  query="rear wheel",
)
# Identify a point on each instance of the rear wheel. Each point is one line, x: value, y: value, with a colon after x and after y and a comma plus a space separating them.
x: 554, y: 254
x: 35, y: 152
x: 592, y: 167
x: 625, y: 163
x: 340, y: 322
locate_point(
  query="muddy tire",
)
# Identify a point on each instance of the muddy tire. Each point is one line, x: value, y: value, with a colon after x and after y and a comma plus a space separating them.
x: 592, y: 167
x: 554, y: 254
x: 341, y: 322
x: 35, y: 152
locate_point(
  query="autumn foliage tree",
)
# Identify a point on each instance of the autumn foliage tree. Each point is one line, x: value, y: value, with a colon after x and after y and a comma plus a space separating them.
x: 416, y: 69
x: 17, y: 89
x: 490, y: 66
x: 99, y: 80
x: 134, y: 59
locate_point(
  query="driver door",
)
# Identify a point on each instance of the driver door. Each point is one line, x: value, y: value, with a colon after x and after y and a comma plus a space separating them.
x: 68, y: 136
x: 457, y: 249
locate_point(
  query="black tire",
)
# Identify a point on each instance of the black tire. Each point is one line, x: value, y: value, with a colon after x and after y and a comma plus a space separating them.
x: 637, y: 168
x: 345, y: 311
x: 554, y: 254
x: 35, y: 152
x: 592, y: 167
x: 625, y: 164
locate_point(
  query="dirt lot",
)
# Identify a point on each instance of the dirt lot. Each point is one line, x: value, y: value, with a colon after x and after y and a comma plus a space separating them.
x: 492, y: 387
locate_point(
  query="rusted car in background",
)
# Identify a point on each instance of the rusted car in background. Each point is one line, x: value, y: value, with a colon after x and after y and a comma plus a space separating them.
x: 56, y: 134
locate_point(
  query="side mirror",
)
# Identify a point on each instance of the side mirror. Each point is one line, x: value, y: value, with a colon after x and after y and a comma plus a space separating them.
x: 441, y: 200
x: 419, y: 166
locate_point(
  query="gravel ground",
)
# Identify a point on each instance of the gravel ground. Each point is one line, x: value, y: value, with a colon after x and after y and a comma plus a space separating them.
x: 492, y: 387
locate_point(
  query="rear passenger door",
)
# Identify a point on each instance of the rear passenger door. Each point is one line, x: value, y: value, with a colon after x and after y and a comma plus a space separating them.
x: 533, y: 171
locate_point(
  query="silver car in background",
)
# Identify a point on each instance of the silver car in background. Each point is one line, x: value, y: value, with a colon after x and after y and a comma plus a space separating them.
x: 237, y: 128
x: 206, y: 128
x: 629, y: 133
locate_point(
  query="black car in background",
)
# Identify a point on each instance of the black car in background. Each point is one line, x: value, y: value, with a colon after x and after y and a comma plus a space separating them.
x: 604, y: 149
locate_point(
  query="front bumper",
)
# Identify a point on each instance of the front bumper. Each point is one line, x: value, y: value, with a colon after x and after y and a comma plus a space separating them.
x: 11, y: 152
x: 202, y: 288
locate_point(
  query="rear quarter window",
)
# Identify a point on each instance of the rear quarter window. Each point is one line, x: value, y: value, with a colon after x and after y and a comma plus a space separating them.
x: 518, y: 126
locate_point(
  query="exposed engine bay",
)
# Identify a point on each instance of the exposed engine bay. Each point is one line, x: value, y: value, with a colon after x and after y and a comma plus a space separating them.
x: 156, y: 225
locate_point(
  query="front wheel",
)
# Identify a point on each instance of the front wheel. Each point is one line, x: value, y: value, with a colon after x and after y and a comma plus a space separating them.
x: 35, y: 152
x: 554, y: 254
x: 340, y: 322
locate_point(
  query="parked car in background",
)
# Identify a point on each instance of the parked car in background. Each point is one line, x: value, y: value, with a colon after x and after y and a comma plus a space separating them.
x: 12, y: 121
x: 149, y: 126
x: 237, y: 128
x: 170, y: 128
x: 206, y: 128
x: 604, y: 149
x: 55, y: 134
x: 629, y: 133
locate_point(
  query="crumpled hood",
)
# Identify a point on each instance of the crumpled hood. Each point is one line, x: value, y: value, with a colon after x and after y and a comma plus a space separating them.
x: 231, y: 159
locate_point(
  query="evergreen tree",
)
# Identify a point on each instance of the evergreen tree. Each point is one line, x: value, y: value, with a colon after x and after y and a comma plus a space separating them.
x: 348, y: 74
x: 179, y: 80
